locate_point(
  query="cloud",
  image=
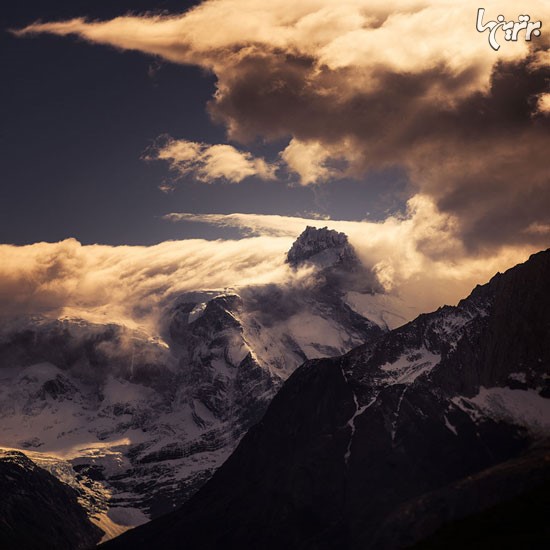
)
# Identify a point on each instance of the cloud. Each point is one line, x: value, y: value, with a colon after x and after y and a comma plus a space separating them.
x: 130, y: 284
x: 308, y: 160
x: 416, y: 256
x: 415, y: 35
x: 540, y: 59
x: 250, y: 224
x: 209, y: 162
x: 363, y: 85
x: 543, y: 103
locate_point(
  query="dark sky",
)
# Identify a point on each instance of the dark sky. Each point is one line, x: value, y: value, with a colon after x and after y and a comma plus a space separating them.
x: 76, y: 118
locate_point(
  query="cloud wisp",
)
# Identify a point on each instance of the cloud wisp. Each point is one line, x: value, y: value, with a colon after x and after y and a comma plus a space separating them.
x: 207, y: 163
x: 129, y: 284
x: 416, y: 256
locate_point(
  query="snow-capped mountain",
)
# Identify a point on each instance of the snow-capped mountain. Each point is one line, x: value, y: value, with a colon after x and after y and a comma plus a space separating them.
x: 443, y: 418
x: 138, y: 423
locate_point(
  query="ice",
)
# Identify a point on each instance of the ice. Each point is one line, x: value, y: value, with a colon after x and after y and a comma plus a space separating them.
x: 396, y: 415
x: 518, y: 377
x: 359, y: 410
x: 196, y: 312
x: 449, y: 426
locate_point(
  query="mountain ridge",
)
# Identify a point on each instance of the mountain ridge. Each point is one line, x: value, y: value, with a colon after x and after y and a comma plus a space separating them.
x: 437, y: 401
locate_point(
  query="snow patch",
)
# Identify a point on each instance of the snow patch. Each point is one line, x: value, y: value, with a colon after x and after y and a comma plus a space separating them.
x: 449, y: 426
x: 122, y: 391
x: 396, y: 416
x: 109, y: 527
x: 358, y: 412
x: 39, y: 373
x: 128, y: 517
x: 196, y: 312
x: 524, y: 408
x: 386, y: 310
x: 411, y: 365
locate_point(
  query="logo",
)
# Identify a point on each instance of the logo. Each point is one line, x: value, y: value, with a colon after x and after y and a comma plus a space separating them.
x: 511, y: 29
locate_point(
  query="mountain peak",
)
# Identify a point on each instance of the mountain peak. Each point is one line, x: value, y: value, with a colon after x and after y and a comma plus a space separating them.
x: 323, y: 247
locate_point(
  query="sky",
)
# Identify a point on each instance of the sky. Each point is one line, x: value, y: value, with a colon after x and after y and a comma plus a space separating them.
x: 139, y: 125
x: 77, y: 124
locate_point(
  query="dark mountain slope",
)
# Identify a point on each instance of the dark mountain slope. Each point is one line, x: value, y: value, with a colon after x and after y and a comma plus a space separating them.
x: 521, y: 522
x: 38, y: 512
x: 348, y: 442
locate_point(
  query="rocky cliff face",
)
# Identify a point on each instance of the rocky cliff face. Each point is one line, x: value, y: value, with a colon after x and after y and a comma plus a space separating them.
x: 440, y: 419
x: 323, y: 247
x: 335, y: 260
x: 137, y: 424
x: 39, y: 512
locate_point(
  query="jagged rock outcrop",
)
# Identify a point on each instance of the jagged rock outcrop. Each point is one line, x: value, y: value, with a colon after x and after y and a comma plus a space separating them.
x: 323, y: 247
x: 338, y: 266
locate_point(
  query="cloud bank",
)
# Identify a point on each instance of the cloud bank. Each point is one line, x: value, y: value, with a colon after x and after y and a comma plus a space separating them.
x: 416, y: 257
x: 129, y: 284
x: 354, y: 86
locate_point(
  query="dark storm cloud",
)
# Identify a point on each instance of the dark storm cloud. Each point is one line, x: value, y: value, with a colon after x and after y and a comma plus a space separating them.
x: 484, y: 159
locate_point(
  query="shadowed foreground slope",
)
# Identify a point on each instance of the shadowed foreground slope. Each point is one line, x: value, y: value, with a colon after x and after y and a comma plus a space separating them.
x: 38, y: 512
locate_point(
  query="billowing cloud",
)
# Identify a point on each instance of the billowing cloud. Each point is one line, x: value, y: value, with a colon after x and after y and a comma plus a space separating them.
x: 210, y: 162
x: 130, y: 284
x: 308, y: 160
x: 363, y: 85
x: 416, y: 256
x: 543, y: 103
x: 397, y: 36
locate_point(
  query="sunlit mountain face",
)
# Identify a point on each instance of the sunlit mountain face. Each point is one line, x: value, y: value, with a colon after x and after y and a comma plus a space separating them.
x: 235, y: 244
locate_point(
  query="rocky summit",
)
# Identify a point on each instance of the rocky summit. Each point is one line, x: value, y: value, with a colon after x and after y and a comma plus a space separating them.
x: 324, y: 247
x: 334, y: 259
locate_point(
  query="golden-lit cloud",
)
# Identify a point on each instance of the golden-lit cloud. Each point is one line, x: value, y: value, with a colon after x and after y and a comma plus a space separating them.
x: 130, y: 284
x: 543, y: 103
x: 308, y: 160
x: 416, y: 256
x: 207, y: 163
x: 360, y: 85
x: 401, y: 36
